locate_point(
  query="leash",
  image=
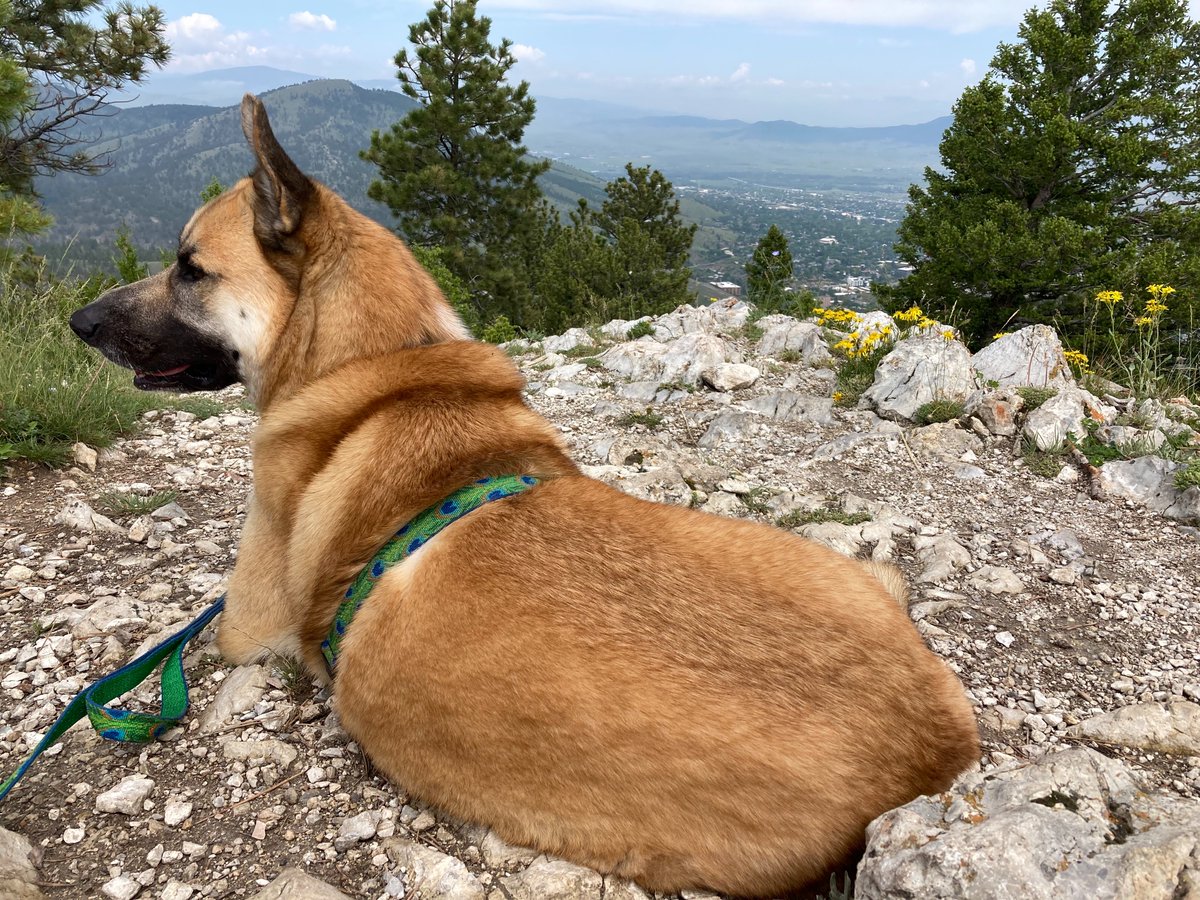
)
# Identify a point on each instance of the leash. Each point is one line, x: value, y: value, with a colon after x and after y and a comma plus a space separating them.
x: 128, y: 726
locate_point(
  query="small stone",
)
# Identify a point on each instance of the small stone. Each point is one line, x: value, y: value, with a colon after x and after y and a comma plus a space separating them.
x: 424, y: 821
x: 1064, y: 575
x: 127, y: 797
x: 18, y: 573
x: 176, y: 812
x: 554, y: 879
x: 123, y: 887
x: 73, y: 835
x: 728, y: 377
x: 293, y: 884
x: 1005, y: 639
x: 170, y: 510
x: 177, y: 890
x: 356, y: 829
x: 84, y: 455
x: 432, y: 875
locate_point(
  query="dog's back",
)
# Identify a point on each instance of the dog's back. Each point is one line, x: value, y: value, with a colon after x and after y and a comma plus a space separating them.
x: 675, y: 697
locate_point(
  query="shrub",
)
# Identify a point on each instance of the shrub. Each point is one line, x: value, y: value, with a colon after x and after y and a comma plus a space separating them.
x: 1035, y: 396
x: 640, y: 329
x: 938, y: 411
x: 500, y: 331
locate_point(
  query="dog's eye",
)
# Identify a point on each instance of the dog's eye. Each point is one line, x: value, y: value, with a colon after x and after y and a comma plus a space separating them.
x: 188, y: 270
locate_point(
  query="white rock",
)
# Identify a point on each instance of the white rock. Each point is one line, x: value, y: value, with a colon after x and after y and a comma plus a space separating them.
x: 554, y: 879
x: 268, y: 750
x: 240, y: 691
x: 432, y: 875
x: 74, y: 835
x: 569, y: 340
x: 293, y: 884
x: 1150, y: 481
x: 996, y: 580
x: 1032, y: 356
x: 1063, y: 415
x: 177, y: 890
x: 78, y: 515
x: 692, y: 354
x: 84, y: 455
x: 917, y: 371
x: 176, y: 812
x: 730, y: 377
x: 18, y: 877
x: 1165, y: 728
x: 358, y: 828
x: 784, y: 334
x: 127, y: 797
x: 18, y: 572
x: 123, y: 887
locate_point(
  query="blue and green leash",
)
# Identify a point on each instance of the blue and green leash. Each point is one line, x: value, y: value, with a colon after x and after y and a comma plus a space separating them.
x: 129, y: 726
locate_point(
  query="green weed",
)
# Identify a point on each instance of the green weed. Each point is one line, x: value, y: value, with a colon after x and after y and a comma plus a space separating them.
x: 125, y: 503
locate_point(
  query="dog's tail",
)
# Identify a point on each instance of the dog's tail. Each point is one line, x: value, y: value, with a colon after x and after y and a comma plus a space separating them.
x: 891, y: 578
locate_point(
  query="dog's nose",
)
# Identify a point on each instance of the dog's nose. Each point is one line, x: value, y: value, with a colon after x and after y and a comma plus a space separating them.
x: 86, y: 322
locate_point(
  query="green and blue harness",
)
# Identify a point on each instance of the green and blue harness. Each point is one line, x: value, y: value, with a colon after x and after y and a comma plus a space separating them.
x: 128, y: 726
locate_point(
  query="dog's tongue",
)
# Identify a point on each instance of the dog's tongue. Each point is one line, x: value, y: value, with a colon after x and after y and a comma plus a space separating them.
x: 166, y: 372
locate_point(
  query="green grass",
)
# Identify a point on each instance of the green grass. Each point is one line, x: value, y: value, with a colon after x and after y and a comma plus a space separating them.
x: 938, y: 411
x: 1046, y: 463
x: 857, y: 373
x: 1188, y: 476
x: 649, y: 419
x: 641, y: 329
x: 814, y: 516
x: 591, y: 362
x: 54, y: 390
x: 791, y: 356
x: 1035, y: 396
x: 125, y: 503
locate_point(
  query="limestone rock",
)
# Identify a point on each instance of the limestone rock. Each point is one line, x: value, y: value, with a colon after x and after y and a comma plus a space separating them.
x: 431, y: 874
x: 78, y: 515
x: 1165, y: 728
x: 729, y: 377
x: 554, y: 879
x: 788, y: 406
x: 1150, y: 481
x: 692, y: 354
x: 996, y: 580
x: 944, y: 440
x: 1073, y: 825
x: 499, y: 854
x: 277, y: 752
x: 18, y: 877
x: 127, y: 797
x: 636, y: 360
x: 84, y: 455
x: 243, y: 688
x: 1063, y: 415
x: 783, y: 333
x: 1031, y: 356
x: 294, y: 884
x: 568, y: 340
x: 998, y: 412
x: 917, y: 371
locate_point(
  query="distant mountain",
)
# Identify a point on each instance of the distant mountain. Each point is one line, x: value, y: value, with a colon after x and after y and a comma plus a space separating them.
x: 162, y: 157
x: 217, y: 87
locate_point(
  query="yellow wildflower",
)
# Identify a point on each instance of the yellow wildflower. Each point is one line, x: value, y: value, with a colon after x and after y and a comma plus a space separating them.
x: 909, y: 315
x: 1110, y: 297
x: 948, y: 334
x: 1077, y: 359
x: 1143, y: 321
x: 1000, y: 334
x: 1158, y: 291
x: 837, y: 396
x: 926, y: 322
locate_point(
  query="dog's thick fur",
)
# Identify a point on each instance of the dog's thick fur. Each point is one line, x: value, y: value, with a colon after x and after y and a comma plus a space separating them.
x: 683, y: 699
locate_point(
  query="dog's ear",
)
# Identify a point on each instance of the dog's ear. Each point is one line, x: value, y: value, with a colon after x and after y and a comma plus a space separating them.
x: 281, y: 190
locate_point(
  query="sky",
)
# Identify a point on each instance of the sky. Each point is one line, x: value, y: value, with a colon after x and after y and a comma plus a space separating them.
x: 819, y: 62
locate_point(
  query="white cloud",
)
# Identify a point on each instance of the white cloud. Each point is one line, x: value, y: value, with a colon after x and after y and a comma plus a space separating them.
x: 968, y: 66
x: 312, y: 21
x: 196, y: 27
x: 741, y: 73
x: 525, y: 53
x: 939, y: 15
x: 775, y: 82
x: 199, y: 41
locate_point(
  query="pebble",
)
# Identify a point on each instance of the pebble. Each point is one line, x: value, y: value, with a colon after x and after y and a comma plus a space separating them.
x: 126, y: 798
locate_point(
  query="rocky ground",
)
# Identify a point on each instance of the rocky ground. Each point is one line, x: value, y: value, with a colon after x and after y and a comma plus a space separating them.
x: 1069, y: 606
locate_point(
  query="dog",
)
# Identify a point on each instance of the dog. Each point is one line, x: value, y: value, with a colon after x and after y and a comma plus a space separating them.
x: 681, y: 699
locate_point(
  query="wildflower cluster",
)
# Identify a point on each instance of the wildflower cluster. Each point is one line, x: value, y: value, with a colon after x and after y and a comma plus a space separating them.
x: 862, y: 343
x: 1136, y: 352
x: 1077, y: 360
x: 836, y: 316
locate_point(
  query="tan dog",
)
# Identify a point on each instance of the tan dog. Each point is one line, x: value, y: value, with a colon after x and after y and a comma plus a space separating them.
x: 682, y: 699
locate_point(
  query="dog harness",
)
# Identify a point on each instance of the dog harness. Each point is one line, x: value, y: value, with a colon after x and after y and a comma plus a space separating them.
x: 128, y: 726
x: 411, y: 538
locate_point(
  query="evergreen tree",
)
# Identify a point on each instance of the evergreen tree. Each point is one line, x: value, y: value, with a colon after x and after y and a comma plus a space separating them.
x: 769, y: 272
x: 641, y: 220
x: 68, y: 54
x: 129, y: 267
x: 1072, y: 167
x: 453, y: 170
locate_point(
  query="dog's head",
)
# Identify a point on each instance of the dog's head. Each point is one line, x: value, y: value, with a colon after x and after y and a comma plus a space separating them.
x: 276, y: 280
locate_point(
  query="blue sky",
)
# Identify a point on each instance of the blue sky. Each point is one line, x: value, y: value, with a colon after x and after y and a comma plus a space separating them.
x: 820, y: 62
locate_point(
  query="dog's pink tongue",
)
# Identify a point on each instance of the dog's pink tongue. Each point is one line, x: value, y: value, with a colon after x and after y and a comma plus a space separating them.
x: 166, y: 372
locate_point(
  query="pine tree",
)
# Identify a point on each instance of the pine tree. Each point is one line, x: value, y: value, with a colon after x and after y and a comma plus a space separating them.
x: 641, y: 220
x: 1072, y: 167
x: 769, y: 272
x: 67, y: 55
x: 453, y: 170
